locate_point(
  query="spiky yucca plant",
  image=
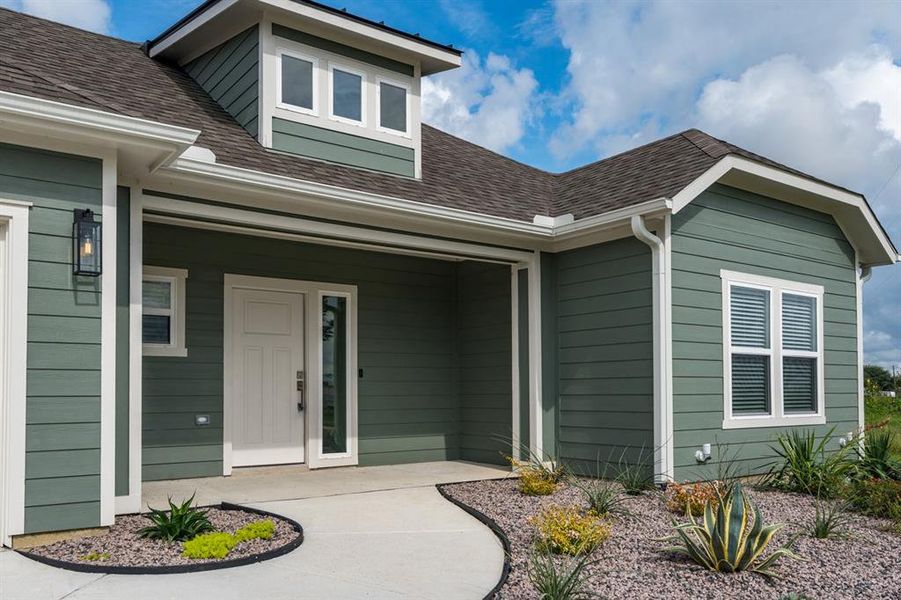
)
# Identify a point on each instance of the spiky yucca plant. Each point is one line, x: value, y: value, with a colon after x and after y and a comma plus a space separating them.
x: 727, y: 539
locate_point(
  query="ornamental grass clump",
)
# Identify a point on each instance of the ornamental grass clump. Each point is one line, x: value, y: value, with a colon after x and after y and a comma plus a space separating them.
x: 604, y: 498
x: 728, y: 539
x: 559, y: 579
x: 568, y: 530
x: 692, y: 498
x: 876, y: 454
x: 181, y: 522
x: 830, y: 520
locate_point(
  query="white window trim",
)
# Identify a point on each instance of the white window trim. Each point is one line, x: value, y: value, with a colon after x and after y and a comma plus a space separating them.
x: 176, y: 278
x: 319, y: 458
x: 331, y: 93
x: 379, y: 80
x: 776, y: 287
x: 280, y: 52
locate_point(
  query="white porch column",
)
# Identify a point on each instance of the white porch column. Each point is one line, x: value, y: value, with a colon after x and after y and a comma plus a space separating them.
x: 108, y: 250
x: 132, y: 502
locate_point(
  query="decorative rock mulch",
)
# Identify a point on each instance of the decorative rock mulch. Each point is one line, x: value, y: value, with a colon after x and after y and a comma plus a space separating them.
x: 121, y: 547
x: 866, y: 564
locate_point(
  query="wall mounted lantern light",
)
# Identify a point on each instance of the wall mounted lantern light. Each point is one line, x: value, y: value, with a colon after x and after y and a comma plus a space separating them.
x: 86, y: 244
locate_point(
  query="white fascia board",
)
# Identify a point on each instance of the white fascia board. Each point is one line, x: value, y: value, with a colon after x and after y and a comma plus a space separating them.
x: 20, y: 107
x: 277, y: 183
x: 192, y: 25
x: 844, y: 201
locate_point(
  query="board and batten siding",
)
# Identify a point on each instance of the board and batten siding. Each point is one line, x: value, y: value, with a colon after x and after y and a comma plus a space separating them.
x: 605, y: 360
x: 230, y: 74
x: 408, y: 410
x: 727, y: 228
x: 62, y: 440
x: 485, y: 389
x: 342, y: 148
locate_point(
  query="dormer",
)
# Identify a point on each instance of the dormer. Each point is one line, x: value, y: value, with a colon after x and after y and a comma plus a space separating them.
x: 311, y: 80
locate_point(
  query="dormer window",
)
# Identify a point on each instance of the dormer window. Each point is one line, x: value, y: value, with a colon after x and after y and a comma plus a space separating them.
x: 347, y: 95
x: 297, y: 82
x: 393, y: 108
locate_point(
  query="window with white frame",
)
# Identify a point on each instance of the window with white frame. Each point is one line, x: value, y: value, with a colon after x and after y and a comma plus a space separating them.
x: 773, y: 342
x: 296, y: 82
x: 346, y: 94
x: 393, y: 106
x: 163, y: 318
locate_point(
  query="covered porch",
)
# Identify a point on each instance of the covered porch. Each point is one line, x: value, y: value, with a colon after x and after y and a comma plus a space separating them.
x: 268, y: 346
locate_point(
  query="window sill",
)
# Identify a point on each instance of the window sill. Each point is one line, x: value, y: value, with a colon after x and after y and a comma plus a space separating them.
x: 756, y: 422
x: 164, y: 351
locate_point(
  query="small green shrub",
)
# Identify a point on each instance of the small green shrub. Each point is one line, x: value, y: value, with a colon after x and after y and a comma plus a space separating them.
x: 559, y: 578
x: 567, y: 530
x: 219, y: 544
x: 209, y: 545
x: 263, y: 530
x: 807, y: 467
x: 830, y: 520
x: 95, y: 556
x: 728, y: 539
x: 181, y: 522
x: 603, y: 497
x: 877, y: 498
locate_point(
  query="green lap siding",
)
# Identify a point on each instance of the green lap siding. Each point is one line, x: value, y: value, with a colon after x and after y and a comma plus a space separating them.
x: 342, y: 148
x: 485, y: 361
x: 726, y: 228
x: 62, y: 460
x: 230, y: 75
x: 604, y: 352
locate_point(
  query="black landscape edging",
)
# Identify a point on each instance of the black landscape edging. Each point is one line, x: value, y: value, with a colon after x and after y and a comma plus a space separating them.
x: 488, y: 522
x: 186, y: 568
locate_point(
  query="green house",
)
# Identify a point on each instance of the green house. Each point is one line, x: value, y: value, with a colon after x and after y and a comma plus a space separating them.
x: 238, y: 245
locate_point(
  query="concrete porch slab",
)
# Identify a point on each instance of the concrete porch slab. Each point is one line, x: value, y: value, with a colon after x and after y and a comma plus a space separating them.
x: 267, y: 484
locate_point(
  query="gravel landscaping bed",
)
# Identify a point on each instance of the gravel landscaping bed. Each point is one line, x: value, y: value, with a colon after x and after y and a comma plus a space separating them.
x: 125, y: 549
x: 866, y: 564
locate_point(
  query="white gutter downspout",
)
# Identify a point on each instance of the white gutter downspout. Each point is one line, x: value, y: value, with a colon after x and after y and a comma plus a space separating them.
x: 663, y: 442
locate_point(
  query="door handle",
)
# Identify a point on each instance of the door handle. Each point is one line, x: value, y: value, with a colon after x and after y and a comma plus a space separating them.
x: 300, y: 390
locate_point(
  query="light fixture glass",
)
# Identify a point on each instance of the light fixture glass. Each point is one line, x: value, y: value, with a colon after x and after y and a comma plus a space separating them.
x: 86, y: 244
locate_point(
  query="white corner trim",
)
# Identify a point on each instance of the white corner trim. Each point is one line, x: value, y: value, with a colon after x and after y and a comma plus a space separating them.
x: 663, y: 409
x: 863, y: 275
x: 177, y: 280
x: 132, y: 502
x: 110, y: 123
x: 776, y: 288
x: 553, y: 222
x: 108, y: 344
x: 536, y: 412
x: 13, y: 345
x: 199, y: 153
x: 514, y: 344
x: 744, y: 165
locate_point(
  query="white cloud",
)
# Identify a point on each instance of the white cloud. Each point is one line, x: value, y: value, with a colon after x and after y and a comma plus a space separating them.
x: 93, y: 15
x: 487, y: 102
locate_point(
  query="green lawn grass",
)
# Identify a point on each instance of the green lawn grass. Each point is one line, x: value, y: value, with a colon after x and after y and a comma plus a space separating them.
x: 880, y: 409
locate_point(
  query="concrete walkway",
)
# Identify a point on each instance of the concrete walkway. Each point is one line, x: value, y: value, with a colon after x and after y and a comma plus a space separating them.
x: 394, y: 543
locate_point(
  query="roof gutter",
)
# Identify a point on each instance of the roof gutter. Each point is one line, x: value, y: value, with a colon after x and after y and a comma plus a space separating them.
x: 67, y: 120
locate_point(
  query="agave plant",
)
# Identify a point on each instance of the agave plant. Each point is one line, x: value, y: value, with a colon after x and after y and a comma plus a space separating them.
x: 181, y: 522
x: 728, y: 539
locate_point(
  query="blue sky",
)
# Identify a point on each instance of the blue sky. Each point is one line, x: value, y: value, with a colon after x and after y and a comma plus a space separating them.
x: 558, y: 83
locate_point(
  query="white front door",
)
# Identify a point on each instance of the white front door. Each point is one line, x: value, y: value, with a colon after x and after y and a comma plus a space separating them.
x: 268, y: 373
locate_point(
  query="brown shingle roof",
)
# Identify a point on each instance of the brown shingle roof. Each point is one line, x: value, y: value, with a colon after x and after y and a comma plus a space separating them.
x: 48, y: 60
